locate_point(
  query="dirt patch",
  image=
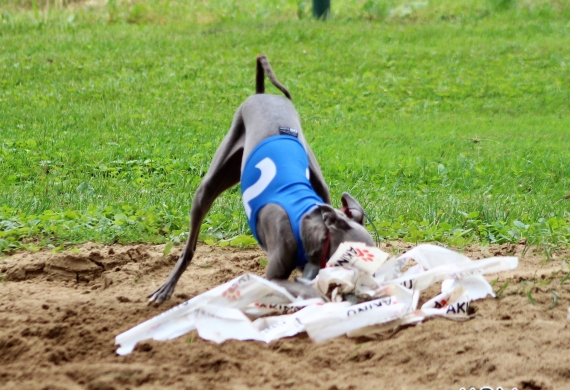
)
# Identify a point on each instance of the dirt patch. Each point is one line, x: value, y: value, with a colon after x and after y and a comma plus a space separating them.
x: 59, y: 314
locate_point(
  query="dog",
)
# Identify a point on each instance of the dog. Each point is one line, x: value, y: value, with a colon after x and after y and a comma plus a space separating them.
x: 285, y: 197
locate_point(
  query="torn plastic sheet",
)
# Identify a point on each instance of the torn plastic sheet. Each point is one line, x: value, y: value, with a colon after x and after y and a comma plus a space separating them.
x: 421, y: 281
x: 252, y: 308
x: 452, y: 304
x: 358, y: 256
x: 345, y: 319
x: 257, y: 309
x: 237, y: 293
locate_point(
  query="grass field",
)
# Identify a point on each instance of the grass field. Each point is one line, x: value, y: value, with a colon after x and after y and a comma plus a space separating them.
x: 449, y: 120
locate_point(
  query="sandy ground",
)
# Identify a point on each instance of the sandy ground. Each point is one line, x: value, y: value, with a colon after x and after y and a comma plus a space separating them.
x: 60, y: 312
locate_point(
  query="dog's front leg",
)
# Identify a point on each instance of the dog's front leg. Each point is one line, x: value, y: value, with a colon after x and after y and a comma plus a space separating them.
x: 224, y: 172
x: 201, y: 204
x: 276, y: 235
x: 316, y: 178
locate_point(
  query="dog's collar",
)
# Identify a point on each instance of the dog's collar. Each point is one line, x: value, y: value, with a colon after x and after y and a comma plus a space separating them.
x: 326, y: 251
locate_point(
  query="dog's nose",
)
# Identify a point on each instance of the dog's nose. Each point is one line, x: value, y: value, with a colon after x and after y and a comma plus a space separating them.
x: 310, y: 271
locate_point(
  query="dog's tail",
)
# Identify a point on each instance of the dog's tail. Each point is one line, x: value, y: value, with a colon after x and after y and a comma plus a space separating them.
x: 263, y: 68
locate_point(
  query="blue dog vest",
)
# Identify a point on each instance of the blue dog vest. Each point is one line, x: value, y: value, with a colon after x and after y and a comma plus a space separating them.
x: 277, y: 171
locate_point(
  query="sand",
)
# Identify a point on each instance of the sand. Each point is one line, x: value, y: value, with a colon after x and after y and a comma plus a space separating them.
x: 60, y: 313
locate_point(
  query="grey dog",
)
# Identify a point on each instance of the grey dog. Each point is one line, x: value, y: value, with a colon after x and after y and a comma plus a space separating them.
x: 313, y: 234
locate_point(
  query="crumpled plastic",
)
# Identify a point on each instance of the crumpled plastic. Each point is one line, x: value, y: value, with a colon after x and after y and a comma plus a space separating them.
x: 364, y: 292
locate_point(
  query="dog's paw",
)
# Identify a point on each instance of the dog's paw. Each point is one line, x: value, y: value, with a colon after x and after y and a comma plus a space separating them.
x: 163, y: 293
x: 300, y: 290
x: 305, y: 291
x: 308, y: 292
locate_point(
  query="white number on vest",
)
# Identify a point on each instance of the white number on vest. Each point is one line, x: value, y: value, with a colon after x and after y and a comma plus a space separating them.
x: 268, y: 172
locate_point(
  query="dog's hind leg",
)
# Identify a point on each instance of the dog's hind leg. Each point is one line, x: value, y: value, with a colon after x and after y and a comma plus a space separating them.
x: 316, y: 178
x: 224, y: 172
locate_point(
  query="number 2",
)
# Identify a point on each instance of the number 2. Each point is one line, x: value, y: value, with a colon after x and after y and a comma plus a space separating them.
x: 268, y: 173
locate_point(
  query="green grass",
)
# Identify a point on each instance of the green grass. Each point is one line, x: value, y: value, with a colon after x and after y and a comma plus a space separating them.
x: 448, y: 121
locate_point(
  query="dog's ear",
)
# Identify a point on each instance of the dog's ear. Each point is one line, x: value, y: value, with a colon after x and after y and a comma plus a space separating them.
x: 352, y: 209
x: 313, y: 234
x: 332, y: 220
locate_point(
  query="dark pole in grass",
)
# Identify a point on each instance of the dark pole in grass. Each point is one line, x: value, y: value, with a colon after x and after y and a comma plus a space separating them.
x: 321, y: 8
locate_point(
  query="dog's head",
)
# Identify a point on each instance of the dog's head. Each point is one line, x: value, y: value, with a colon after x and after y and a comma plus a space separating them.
x: 326, y: 226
